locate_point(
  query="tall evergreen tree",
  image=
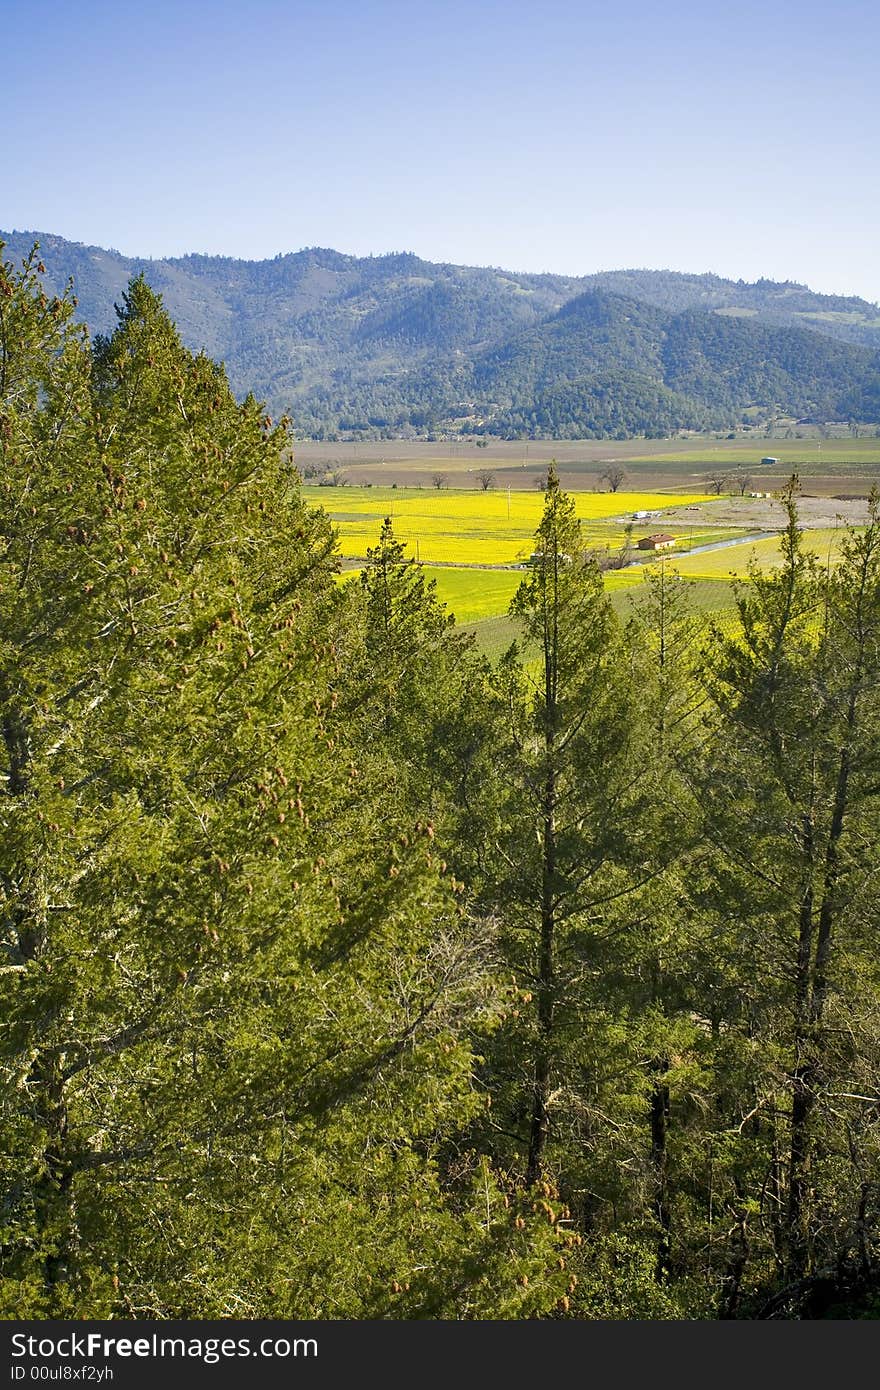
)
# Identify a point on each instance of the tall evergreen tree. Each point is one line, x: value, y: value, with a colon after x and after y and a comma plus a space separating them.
x: 239, y: 1001
x: 420, y: 692
x: 567, y: 834
x: 793, y: 808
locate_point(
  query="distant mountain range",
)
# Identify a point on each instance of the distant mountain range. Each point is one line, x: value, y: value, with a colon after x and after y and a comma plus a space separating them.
x: 394, y: 345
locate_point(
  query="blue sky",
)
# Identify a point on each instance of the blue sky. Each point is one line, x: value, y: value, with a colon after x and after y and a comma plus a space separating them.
x: 550, y: 135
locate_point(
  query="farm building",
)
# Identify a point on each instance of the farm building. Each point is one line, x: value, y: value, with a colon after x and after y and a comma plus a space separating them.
x: 660, y: 541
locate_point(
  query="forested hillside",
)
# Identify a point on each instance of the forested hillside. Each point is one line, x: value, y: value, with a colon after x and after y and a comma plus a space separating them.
x: 846, y: 317
x: 345, y: 974
x: 394, y: 345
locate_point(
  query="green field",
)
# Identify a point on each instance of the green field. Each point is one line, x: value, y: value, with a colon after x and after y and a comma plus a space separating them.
x: 709, y: 598
x: 793, y: 454
x: 479, y: 598
x: 473, y: 594
x: 735, y: 560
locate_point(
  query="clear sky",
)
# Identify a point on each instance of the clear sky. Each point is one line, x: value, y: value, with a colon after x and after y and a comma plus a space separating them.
x: 563, y: 135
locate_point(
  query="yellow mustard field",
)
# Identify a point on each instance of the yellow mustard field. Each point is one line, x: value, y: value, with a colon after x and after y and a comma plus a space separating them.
x: 476, y: 528
x: 469, y: 542
x: 735, y: 560
x: 474, y: 594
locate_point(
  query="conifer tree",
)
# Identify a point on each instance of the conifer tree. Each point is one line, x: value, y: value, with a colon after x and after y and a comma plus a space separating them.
x: 793, y: 814
x: 664, y: 639
x: 421, y: 690
x: 567, y: 838
x: 239, y: 1002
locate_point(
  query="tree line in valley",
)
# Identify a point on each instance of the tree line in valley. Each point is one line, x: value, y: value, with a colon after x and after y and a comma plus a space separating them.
x: 396, y: 346
x: 348, y: 975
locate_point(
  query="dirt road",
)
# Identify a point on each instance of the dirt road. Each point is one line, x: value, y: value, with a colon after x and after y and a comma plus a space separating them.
x: 766, y: 514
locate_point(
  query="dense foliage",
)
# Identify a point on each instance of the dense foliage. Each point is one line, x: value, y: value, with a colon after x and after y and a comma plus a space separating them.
x: 345, y: 975
x: 394, y: 345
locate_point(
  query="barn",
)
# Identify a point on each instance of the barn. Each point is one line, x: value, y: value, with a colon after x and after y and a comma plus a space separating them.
x: 660, y: 541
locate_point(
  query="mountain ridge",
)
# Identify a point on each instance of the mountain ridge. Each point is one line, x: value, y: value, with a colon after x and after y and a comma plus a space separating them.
x: 395, y: 344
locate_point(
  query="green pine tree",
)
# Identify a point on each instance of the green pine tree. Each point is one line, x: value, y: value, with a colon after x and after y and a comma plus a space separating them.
x: 240, y: 998
x: 792, y: 772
